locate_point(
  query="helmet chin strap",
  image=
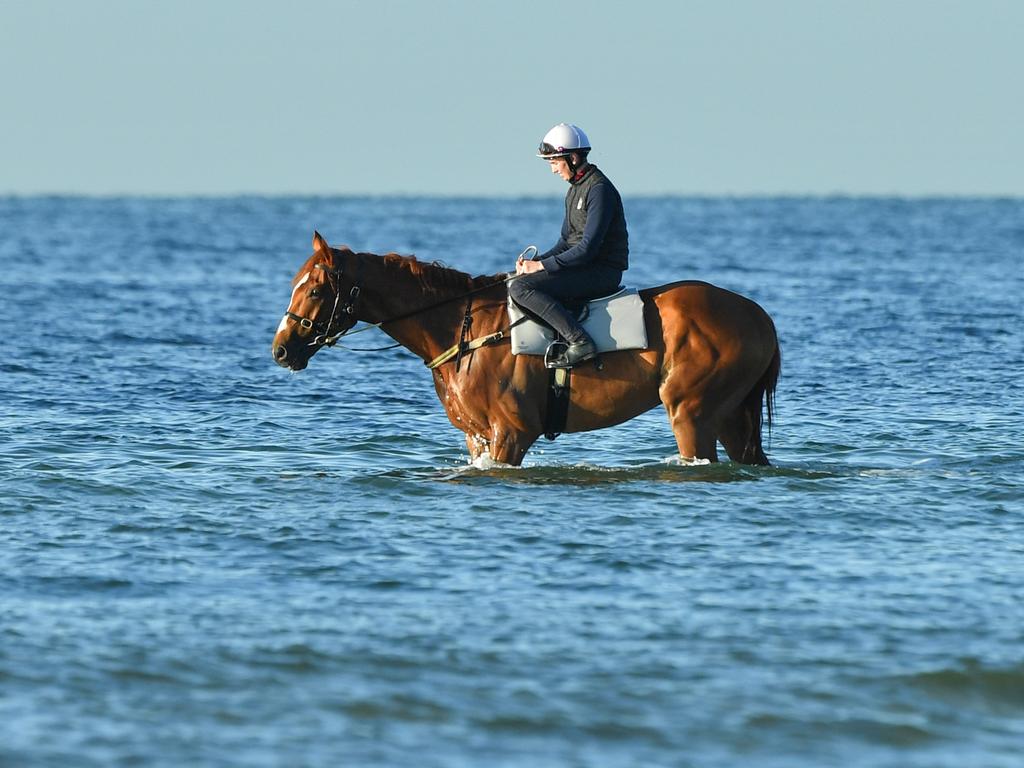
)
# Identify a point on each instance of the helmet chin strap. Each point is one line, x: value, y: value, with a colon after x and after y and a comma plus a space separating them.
x: 574, y: 167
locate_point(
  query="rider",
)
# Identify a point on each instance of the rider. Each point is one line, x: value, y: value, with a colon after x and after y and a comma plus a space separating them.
x: 592, y: 252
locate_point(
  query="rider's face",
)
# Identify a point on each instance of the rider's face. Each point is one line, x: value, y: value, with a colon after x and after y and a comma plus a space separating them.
x: 560, y: 167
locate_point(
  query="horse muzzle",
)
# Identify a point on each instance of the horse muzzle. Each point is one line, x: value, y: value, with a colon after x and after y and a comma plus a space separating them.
x: 286, y: 360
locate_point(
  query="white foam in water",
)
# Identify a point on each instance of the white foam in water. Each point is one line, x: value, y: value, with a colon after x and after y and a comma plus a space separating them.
x: 484, y: 461
x: 683, y: 461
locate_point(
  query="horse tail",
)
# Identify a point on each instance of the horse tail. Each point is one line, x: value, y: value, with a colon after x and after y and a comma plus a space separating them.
x: 761, y: 397
x: 767, y: 384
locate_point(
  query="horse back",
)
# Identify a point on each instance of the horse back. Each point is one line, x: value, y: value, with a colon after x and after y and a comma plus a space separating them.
x: 706, y: 307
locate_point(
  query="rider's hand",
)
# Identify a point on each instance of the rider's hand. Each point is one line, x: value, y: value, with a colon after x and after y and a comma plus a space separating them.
x: 525, y: 267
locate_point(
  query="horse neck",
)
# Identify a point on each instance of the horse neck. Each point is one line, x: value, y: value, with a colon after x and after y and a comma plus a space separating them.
x: 397, y: 286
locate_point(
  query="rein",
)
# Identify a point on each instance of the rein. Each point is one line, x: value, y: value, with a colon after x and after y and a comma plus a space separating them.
x: 327, y: 339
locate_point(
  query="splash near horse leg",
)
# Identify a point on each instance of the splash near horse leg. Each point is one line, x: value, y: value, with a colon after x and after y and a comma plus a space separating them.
x: 477, y: 445
x: 502, y: 450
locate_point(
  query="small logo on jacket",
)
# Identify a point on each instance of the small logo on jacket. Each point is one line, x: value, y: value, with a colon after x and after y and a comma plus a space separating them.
x: 579, y: 205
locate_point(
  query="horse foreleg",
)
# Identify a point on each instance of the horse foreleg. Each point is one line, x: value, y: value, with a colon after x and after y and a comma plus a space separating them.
x: 503, y: 446
x: 509, y: 446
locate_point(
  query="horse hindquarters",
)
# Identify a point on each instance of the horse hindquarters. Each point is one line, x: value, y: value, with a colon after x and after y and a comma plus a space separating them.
x: 721, y: 361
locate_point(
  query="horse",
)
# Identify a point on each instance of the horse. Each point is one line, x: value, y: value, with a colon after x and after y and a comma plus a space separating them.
x: 713, y: 357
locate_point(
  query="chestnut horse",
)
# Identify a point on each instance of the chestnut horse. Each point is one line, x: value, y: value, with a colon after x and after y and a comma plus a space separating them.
x: 713, y: 357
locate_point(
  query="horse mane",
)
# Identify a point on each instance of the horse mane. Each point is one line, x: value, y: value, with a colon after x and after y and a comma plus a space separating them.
x: 437, y: 277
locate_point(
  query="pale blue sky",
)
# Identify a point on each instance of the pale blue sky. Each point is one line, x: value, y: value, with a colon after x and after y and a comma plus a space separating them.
x: 910, y: 97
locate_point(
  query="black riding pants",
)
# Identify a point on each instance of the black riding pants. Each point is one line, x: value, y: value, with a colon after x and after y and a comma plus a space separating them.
x: 540, y: 294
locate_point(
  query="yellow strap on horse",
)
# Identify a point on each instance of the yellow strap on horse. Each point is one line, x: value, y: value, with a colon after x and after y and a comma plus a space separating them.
x: 469, y: 346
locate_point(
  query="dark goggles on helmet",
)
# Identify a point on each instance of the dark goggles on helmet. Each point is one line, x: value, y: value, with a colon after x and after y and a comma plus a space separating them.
x: 546, y: 151
x: 549, y: 152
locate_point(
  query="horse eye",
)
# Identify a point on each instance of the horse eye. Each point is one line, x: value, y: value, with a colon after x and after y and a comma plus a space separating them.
x: 315, y: 293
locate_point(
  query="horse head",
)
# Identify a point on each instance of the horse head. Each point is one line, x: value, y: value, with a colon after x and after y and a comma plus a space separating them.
x: 321, y: 309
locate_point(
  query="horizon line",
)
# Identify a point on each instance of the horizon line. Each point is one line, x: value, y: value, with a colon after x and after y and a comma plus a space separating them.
x: 514, y: 196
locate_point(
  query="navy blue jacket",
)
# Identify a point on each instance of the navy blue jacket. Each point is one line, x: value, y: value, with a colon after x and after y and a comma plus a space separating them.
x: 594, y: 230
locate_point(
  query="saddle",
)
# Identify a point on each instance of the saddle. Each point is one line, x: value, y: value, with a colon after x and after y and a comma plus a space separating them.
x: 614, y: 322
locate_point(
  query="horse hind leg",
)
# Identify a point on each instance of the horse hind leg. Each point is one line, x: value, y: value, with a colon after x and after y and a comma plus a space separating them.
x: 740, y: 430
x: 695, y: 437
x: 740, y: 434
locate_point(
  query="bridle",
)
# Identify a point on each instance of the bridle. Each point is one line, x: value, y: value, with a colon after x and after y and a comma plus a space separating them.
x: 324, y: 337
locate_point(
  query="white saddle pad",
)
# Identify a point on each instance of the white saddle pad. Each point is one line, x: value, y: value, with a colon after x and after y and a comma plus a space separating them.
x: 613, y: 322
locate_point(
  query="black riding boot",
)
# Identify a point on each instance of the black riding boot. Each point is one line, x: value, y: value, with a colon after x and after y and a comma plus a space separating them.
x: 576, y: 352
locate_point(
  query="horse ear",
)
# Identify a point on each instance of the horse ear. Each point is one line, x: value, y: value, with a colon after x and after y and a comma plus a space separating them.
x: 319, y: 244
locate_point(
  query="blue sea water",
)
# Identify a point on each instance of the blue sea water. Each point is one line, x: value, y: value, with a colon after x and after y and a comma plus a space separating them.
x: 207, y: 560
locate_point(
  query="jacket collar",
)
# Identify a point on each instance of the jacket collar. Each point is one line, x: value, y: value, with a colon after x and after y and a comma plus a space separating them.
x: 582, y: 173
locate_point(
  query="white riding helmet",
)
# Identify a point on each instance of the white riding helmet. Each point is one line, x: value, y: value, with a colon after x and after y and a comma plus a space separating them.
x: 563, y: 140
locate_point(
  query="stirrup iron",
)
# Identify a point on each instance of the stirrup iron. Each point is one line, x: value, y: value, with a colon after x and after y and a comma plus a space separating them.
x: 554, y: 355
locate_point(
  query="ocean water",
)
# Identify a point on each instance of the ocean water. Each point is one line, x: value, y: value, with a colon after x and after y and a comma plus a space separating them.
x: 207, y: 560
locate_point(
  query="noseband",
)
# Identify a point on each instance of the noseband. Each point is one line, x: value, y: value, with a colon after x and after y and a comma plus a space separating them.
x: 324, y: 337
